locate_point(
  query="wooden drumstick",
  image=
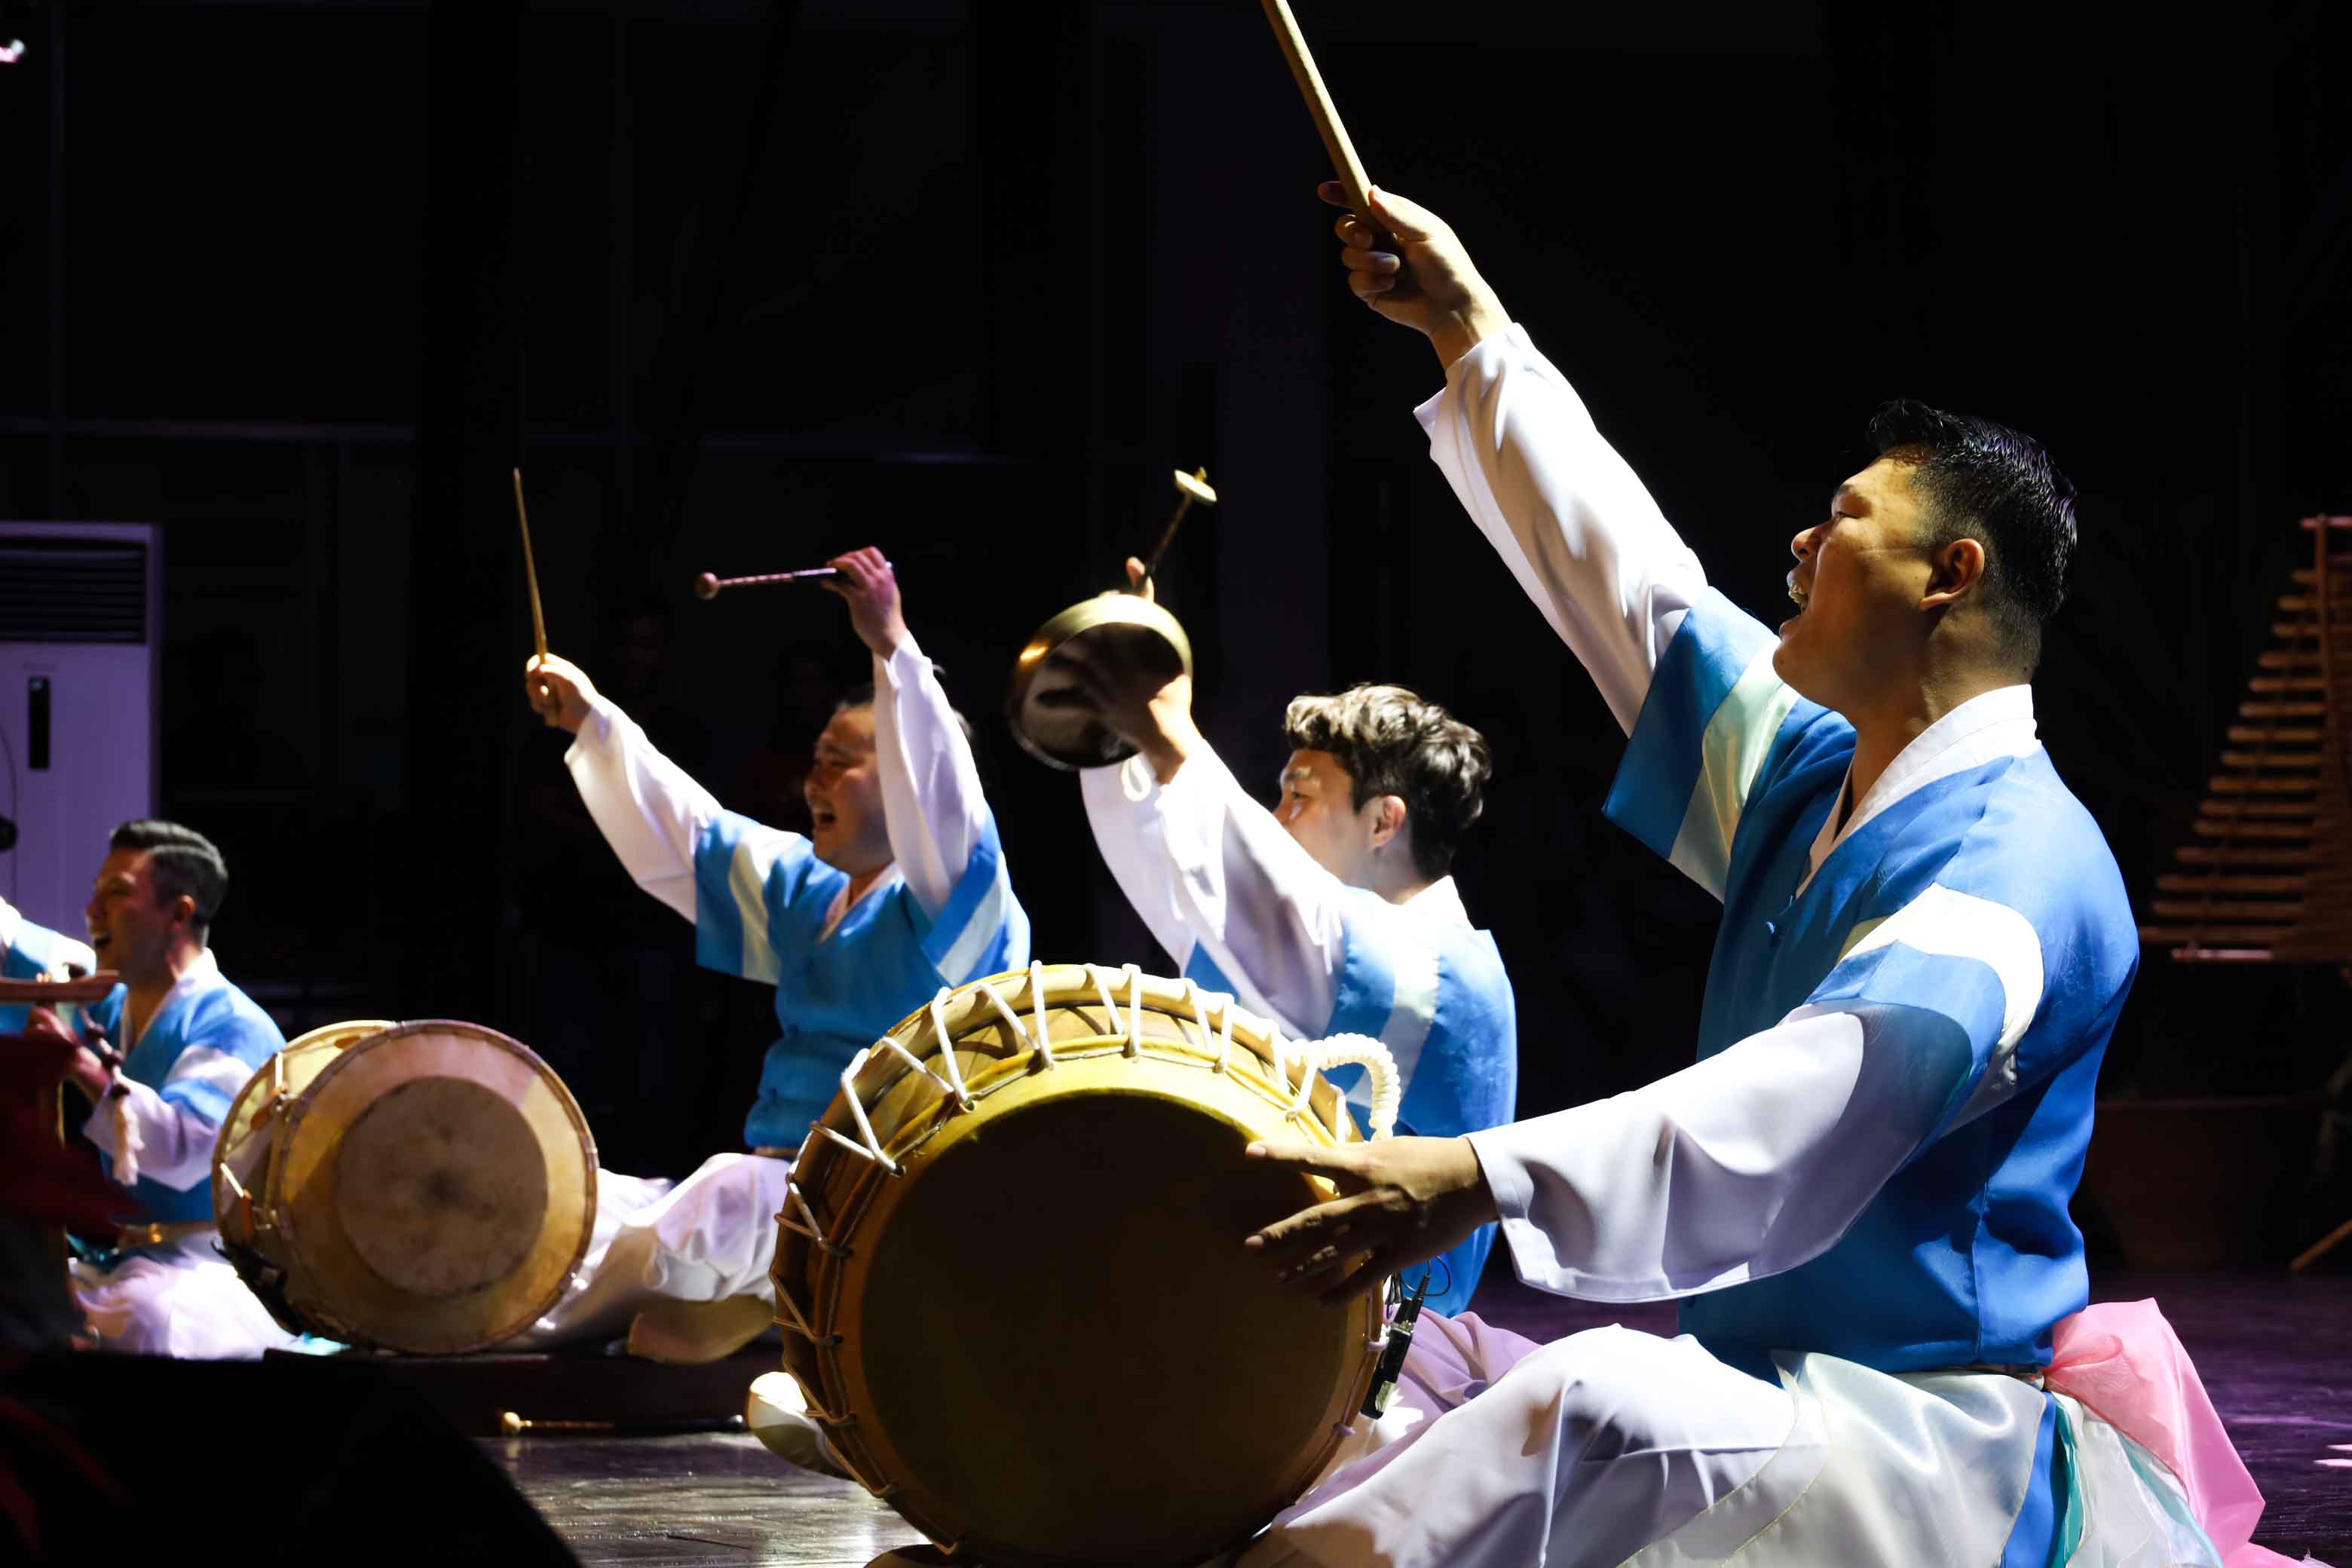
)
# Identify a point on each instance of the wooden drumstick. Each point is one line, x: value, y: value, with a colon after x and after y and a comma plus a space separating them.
x: 514, y: 1425
x: 706, y: 586
x: 1318, y: 104
x: 530, y: 572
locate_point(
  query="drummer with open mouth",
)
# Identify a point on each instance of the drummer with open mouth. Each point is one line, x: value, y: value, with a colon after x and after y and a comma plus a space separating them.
x: 179, y: 1042
x: 901, y: 890
x: 1334, y: 913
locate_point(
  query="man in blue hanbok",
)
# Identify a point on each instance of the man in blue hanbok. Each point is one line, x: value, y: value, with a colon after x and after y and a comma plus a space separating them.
x: 181, y: 1041
x: 1336, y: 912
x: 902, y: 890
x: 1859, y: 1192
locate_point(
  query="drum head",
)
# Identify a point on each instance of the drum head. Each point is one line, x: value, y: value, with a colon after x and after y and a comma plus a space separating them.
x: 1046, y: 706
x: 1058, y: 1346
x: 436, y: 1186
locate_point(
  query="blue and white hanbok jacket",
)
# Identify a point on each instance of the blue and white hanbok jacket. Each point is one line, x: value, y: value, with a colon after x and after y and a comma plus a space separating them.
x: 1243, y: 909
x: 764, y: 906
x: 1904, y: 1014
x: 1908, y: 1005
x: 181, y: 1069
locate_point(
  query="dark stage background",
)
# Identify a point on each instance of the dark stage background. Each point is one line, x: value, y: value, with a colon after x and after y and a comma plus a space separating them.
x: 740, y: 285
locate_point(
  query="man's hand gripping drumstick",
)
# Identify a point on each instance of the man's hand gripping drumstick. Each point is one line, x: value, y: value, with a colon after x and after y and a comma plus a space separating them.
x: 1402, y: 1201
x: 561, y: 692
x: 1453, y: 307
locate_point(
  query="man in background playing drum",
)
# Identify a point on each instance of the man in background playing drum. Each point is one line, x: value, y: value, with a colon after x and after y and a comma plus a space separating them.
x: 183, y: 1042
x: 1334, y: 913
x: 902, y: 890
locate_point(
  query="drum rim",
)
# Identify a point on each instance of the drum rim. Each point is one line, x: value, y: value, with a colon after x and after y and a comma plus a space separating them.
x: 271, y: 1194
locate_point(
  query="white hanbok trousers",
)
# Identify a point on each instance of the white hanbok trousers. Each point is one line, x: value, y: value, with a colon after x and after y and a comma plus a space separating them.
x: 707, y: 1238
x: 182, y: 1300
x: 1581, y: 1451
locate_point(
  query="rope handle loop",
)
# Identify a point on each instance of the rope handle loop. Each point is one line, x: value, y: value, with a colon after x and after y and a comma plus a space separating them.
x: 1363, y: 1051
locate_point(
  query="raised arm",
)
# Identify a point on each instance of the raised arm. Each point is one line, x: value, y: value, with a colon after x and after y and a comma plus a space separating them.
x: 652, y: 815
x: 931, y: 797
x: 1562, y: 509
x: 1212, y: 873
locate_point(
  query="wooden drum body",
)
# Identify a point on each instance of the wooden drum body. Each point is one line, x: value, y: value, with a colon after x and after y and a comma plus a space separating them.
x: 425, y: 1187
x: 1013, y: 1281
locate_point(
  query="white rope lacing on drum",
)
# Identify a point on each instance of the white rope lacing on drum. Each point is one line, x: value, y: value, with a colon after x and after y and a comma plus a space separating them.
x: 1134, y: 1010
x: 1012, y: 1019
x: 1042, y: 1042
x: 1282, y: 1048
x: 1101, y: 978
x: 814, y: 1232
x: 947, y: 1056
x: 871, y: 1146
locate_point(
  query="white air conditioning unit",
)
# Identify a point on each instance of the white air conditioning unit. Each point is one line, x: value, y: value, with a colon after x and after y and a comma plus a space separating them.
x: 79, y: 641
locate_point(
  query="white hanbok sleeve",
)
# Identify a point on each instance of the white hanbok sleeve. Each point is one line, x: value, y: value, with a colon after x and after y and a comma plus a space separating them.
x: 1566, y: 513
x: 1209, y: 868
x: 651, y: 812
x: 1759, y: 1158
x: 167, y: 1135
x: 931, y: 796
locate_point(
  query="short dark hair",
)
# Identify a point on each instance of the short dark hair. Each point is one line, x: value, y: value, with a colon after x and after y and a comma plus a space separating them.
x: 1392, y: 742
x: 180, y: 861
x: 1997, y: 485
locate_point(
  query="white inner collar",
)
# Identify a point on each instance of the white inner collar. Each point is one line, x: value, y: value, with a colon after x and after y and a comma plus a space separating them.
x: 1994, y: 724
x: 1440, y: 902
x: 202, y: 974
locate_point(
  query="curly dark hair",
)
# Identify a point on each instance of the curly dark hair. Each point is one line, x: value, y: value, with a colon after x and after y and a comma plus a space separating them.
x: 1997, y: 485
x: 181, y: 861
x: 1392, y: 742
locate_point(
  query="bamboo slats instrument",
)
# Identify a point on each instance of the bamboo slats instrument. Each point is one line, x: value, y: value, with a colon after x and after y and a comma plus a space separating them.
x: 530, y: 572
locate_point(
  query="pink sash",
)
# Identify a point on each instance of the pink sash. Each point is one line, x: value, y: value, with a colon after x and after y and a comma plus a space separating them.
x: 2124, y: 1363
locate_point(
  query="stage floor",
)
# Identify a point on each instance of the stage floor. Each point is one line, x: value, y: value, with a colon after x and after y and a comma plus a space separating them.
x: 2276, y: 1353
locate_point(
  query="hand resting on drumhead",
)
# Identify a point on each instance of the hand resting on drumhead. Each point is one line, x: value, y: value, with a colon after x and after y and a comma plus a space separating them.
x: 1402, y: 1201
x: 559, y: 690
